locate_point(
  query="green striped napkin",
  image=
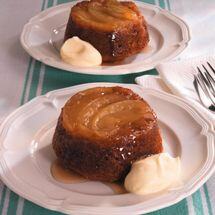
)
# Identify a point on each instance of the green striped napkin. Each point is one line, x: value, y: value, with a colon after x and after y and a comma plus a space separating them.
x: 40, y: 79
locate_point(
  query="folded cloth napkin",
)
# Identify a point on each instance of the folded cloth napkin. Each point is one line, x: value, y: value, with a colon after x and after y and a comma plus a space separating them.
x: 200, y: 16
x: 177, y: 77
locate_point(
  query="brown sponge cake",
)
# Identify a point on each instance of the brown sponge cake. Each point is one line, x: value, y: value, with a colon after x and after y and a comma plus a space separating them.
x: 116, y: 29
x: 102, y: 130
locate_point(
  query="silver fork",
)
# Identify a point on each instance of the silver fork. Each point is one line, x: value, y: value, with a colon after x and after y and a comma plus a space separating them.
x: 204, y: 83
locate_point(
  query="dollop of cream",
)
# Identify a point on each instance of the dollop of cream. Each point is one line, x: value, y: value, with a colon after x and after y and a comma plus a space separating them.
x: 153, y: 174
x: 80, y: 53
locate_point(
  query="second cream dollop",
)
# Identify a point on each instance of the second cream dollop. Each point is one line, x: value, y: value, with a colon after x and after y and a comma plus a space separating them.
x: 153, y: 174
x: 80, y: 53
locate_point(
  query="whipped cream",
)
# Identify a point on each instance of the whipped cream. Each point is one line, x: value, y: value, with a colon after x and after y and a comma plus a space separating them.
x: 153, y: 174
x: 80, y: 53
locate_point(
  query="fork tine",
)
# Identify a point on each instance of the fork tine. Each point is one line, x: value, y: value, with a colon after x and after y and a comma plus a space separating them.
x: 202, y: 75
x: 201, y: 80
x: 212, y: 85
x: 208, y: 73
x: 211, y: 67
x: 210, y: 79
x: 197, y: 85
x: 201, y: 94
x: 200, y: 90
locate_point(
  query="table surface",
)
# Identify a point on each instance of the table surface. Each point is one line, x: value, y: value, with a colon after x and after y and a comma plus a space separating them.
x: 22, y: 78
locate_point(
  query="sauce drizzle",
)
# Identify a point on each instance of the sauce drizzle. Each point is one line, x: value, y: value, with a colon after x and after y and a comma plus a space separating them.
x: 69, y: 177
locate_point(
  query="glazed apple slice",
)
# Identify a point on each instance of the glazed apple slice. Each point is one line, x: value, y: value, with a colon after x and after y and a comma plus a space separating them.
x: 108, y: 119
x: 117, y: 10
x: 87, y: 113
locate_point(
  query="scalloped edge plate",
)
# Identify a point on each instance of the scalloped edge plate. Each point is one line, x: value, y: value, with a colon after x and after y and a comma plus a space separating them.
x: 169, y: 36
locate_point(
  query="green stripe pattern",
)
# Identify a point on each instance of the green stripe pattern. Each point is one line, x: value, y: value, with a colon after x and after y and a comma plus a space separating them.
x: 207, y: 199
x: 197, y: 202
x: 2, y: 198
x: 54, y: 79
x: 161, y: 3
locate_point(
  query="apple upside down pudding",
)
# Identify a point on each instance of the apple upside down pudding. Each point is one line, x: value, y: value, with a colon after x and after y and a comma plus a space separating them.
x: 116, y: 29
x: 101, y: 131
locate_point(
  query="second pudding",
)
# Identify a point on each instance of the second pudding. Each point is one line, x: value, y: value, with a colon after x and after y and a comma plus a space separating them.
x: 116, y: 29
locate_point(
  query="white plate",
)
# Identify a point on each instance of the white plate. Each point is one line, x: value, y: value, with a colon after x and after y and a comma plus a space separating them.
x: 26, y: 155
x: 169, y: 35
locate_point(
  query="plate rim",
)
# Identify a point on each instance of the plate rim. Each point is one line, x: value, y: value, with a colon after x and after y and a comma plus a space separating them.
x: 52, y: 95
x: 186, y: 37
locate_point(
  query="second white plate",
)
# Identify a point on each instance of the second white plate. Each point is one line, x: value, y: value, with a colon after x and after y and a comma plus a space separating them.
x: 169, y: 35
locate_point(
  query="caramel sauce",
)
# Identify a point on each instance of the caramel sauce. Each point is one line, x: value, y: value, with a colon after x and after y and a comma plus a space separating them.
x: 65, y: 176
x: 69, y: 177
x: 117, y: 187
x: 147, y: 49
